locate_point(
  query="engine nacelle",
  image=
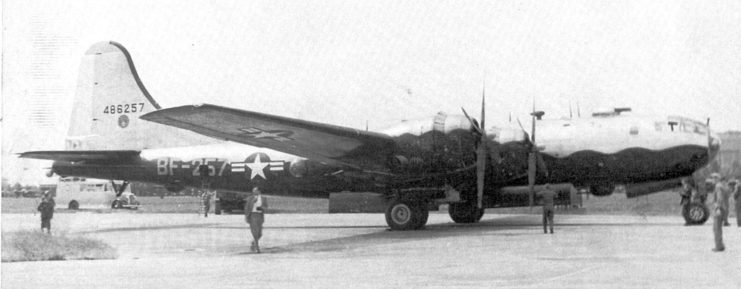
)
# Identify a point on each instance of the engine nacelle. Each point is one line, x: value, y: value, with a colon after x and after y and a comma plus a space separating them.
x: 401, y: 163
x: 602, y: 189
x: 302, y: 168
x: 298, y: 168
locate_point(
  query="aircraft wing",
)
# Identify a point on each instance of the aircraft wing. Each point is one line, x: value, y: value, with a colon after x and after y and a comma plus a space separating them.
x: 77, y: 156
x: 326, y: 143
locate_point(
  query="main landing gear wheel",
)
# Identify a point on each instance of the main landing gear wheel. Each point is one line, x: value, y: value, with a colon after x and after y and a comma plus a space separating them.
x: 695, y: 213
x: 465, y: 212
x: 403, y: 215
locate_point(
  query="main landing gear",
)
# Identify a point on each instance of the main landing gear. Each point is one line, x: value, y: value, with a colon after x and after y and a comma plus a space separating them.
x: 409, y: 213
x: 465, y: 212
x: 695, y: 213
x: 402, y: 215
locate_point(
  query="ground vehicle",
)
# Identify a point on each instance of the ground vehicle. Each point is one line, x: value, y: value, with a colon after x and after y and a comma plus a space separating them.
x: 126, y: 200
x: 78, y: 193
x: 227, y: 201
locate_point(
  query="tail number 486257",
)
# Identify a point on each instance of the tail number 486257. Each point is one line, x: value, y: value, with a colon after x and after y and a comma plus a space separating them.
x: 124, y: 108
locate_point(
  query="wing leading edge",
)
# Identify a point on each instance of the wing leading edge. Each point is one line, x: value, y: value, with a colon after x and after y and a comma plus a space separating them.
x: 78, y: 156
x: 326, y: 143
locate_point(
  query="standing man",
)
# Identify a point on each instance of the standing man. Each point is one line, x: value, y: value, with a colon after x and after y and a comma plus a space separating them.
x: 254, y: 213
x: 206, y: 198
x: 737, y: 198
x: 719, y: 211
x: 47, y: 211
x: 726, y: 201
x: 547, y: 195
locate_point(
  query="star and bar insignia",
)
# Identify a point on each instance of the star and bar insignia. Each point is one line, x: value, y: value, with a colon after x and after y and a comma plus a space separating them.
x: 257, y: 166
x: 277, y: 135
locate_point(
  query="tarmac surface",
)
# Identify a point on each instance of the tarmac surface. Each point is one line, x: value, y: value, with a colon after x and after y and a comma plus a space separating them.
x: 357, y: 251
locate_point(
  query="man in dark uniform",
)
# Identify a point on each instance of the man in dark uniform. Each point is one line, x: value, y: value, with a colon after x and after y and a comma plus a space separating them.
x: 254, y: 213
x: 736, y: 189
x: 47, y: 211
x: 547, y: 197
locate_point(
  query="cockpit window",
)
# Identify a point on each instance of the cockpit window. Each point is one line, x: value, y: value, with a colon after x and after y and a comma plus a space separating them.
x: 685, y: 125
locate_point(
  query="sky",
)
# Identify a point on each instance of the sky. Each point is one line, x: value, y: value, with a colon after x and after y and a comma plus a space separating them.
x: 355, y: 62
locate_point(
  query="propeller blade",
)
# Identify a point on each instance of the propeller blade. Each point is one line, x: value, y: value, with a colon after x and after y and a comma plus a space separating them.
x: 480, y: 173
x: 532, y: 135
x: 524, y: 132
x: 483, y: 106
x: 473, y: 123
x: 481, y: 152
x: 710, y: 138
x: 531, y: 177
x: 541, y: 164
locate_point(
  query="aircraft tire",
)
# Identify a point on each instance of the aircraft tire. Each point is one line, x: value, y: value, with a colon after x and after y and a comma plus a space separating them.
x: 465, y: 213
x: 73, y: 205
x: 695, y: 213
x: 114, y: 204
x: 404, y: 215
x: 424, y: 214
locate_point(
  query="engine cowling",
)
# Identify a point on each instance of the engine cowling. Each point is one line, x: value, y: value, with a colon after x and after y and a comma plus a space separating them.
x: 298, y: 168
x: 602, y: 189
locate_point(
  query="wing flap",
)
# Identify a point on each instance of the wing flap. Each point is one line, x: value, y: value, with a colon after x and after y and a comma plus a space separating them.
x: 318, y: 141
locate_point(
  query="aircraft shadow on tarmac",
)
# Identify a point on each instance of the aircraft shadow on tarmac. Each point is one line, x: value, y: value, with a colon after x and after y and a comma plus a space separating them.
x: 440, y: 230
x: 384, y: 236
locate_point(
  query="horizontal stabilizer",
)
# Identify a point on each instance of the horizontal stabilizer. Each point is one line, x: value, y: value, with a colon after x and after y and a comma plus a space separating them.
x: 77, y: 156
x: 322, y: 142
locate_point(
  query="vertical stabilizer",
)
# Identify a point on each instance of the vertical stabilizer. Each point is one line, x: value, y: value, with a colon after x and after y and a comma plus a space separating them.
x: 109, y: 99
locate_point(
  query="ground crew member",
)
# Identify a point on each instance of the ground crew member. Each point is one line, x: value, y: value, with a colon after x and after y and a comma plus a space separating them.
x: 686, y: 191
x: 47, y: 211
x: 254, y: 212
x: 709, y: 188
x: 737, y: 198
x: 206, y: 197
x: 547, y: 197
x: 725, y: 200
x: 718, y: 212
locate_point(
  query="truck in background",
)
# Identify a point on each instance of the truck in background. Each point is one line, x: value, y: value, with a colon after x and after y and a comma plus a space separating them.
x: 76, y: 193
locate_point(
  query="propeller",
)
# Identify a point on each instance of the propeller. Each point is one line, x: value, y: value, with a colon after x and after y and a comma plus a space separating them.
x: 535, y: 159
x: 710, y: 144
x: 710, y: 139
x: 482, y: 149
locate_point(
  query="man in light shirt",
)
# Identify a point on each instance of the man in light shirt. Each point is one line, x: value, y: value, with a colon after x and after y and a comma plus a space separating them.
x: 254, y: 213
